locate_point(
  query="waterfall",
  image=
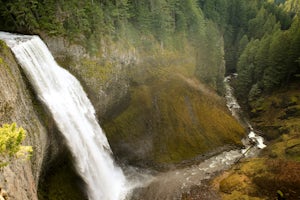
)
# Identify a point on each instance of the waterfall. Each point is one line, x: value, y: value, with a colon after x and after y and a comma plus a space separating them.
x: 74, y: 115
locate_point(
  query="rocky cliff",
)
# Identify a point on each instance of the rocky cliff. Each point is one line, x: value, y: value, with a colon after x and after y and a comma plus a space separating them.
x: 18, y: 104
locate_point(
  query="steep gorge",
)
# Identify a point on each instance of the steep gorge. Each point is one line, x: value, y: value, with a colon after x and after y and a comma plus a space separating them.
x: 157, y: 107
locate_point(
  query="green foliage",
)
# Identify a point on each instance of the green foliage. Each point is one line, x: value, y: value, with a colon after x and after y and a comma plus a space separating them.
x: 261, y: 41
x: 11, y: 138
x: 254, y: 19
x: 270, y: 62
x: 19, y: 14
x: 210, y: 60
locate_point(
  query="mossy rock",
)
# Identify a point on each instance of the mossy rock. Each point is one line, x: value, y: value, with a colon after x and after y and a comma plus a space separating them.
x: 260, y: 178
x: 236, y: 195
x: 233, y: 183
x: 169, y: 119
x: 292, y: 149
x: 293, y: 100
x: 281, y: 113
x: 3, y: 47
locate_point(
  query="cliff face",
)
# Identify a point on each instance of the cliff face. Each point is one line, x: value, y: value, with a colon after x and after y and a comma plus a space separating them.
x: 17, y: 104
x: 171, y: 117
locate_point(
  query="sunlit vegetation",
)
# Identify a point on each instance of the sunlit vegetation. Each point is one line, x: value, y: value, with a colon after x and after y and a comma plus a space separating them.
x: 11, y: 138
x: 261, y: 179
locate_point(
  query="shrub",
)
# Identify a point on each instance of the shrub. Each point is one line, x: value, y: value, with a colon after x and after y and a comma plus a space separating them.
x: 11, y: 138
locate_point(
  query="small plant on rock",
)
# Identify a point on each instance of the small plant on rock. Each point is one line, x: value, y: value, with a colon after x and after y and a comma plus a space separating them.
x: 11, y: 138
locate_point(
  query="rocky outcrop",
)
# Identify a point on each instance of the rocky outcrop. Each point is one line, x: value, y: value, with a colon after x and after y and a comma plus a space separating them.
x: 18, y: 104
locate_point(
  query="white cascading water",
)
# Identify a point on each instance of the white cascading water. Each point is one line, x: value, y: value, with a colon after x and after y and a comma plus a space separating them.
x: 74, y: 115
x: 235, y: 109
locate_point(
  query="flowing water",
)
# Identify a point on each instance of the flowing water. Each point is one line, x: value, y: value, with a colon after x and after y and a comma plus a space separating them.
x: 236, y: 111
x: 74, y: 115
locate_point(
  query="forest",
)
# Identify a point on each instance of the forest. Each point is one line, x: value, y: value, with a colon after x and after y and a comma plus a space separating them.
x: 261, y: 38
x: 162, y: 107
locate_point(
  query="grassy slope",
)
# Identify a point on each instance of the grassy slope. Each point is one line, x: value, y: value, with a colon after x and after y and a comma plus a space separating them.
x: 171, y: 116
x: 278, y: 115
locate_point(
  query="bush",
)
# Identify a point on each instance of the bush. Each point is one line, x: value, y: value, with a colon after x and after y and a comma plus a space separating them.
x: 11, y: 138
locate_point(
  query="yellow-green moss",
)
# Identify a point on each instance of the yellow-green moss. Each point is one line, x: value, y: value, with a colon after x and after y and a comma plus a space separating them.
x: 3, y: 46
x: 96, y: 70
x: 172, y: 115
x: 5, y: 58
x: 260, y: 178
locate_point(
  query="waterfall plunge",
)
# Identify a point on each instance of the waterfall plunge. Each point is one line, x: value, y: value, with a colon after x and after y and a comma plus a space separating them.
x: 73, y: 114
